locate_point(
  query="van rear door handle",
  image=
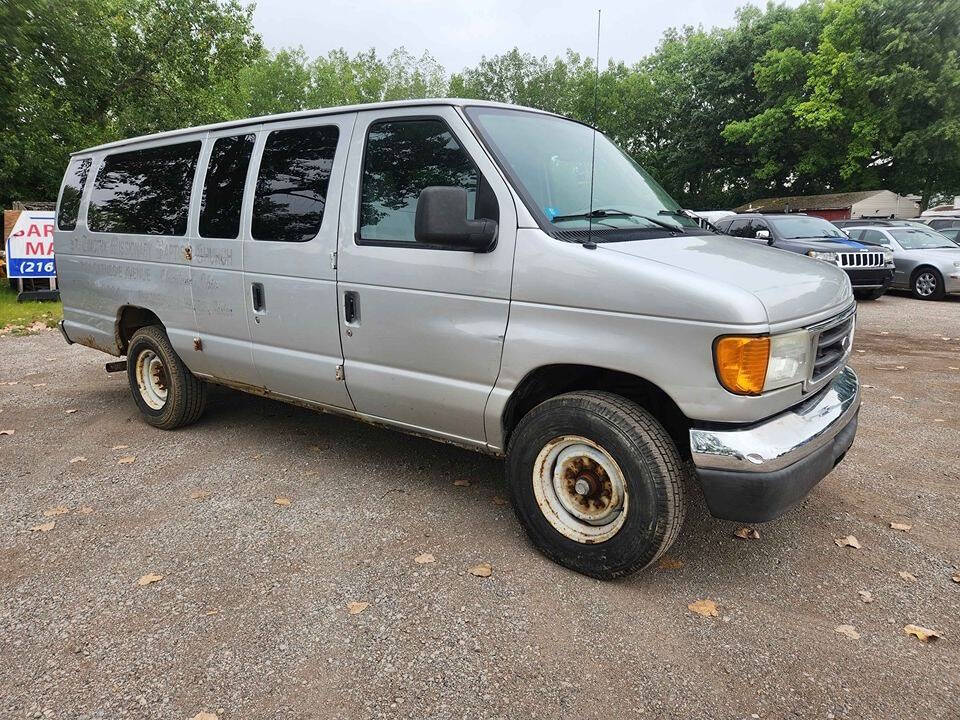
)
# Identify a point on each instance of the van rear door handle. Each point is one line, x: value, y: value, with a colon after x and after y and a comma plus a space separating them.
x: 258, y: 301
x: 351, y: 307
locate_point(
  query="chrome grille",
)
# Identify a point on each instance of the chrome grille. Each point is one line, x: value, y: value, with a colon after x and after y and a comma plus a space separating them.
x: 833, y: 345
x: 861, y: 259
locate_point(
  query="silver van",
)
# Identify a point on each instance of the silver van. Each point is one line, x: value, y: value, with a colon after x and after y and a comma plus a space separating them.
x: 492, y: 276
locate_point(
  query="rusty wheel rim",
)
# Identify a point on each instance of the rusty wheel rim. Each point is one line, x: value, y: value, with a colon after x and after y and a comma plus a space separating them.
x: 152, y: 379
x: 580, y: 489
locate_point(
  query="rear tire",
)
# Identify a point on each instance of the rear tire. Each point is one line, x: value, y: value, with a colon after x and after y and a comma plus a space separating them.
x: 927, y: 284
x: 868, y: 294
x: 166, y: 392
x: 597, y: 483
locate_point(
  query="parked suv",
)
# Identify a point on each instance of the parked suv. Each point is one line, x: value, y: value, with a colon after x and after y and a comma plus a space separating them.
x: 927, y: 261
x: 453, y: 268
x: 870, y: 269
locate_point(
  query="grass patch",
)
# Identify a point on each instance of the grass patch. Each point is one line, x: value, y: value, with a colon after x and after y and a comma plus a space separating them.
x: 23, y: 318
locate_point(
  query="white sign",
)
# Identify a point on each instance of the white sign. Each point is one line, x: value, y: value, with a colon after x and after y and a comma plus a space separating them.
x: 30, y: 246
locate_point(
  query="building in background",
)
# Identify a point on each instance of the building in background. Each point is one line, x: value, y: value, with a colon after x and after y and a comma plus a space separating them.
x: 842, y: 206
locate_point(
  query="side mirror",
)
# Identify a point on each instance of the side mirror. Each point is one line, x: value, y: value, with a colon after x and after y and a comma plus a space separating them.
x: 442, y: 220
x: 764, y: 235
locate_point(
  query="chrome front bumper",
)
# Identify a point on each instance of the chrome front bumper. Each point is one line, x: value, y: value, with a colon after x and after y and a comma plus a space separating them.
x: 784, y: 439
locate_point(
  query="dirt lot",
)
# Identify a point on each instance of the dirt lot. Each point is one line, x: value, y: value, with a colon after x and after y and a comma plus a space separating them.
x: 250, y: 619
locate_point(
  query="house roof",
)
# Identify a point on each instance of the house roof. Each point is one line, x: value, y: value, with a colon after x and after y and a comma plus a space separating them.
x: 799, y: 203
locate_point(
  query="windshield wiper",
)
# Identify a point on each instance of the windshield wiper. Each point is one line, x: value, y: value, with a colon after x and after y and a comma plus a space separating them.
x: 610, y: 212
x: 701, y: 222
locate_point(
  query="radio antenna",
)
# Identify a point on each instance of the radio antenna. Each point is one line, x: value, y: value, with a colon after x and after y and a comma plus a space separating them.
x: 590, y: 244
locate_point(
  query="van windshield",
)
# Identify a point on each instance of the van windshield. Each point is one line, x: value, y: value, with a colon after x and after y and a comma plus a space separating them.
x: 550, y: 158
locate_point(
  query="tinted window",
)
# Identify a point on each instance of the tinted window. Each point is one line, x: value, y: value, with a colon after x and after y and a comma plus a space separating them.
x: 72, y: 190
x: 872, y: 237
x: 739, y: 228
x: 401, y: 159
x: 223, y: 186
x: 145, y: 191
x: 292, y: 183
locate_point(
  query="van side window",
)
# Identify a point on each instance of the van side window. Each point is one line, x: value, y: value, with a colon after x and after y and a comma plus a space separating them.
x: 146, y: 192
x: 292, y: 183
x: 739, y: 228
x: 72, y: 190
x: 223, y: 186
x: 400, y: 159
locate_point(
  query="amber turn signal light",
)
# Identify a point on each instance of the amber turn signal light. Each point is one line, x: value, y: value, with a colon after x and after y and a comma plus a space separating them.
x: 741, y: 363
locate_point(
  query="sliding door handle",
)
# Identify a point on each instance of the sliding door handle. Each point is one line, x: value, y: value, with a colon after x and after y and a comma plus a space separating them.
x: 351, y: 308
x: 258, y: 302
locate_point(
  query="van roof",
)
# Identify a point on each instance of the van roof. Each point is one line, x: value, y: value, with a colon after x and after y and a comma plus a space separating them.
x: 317, y: 112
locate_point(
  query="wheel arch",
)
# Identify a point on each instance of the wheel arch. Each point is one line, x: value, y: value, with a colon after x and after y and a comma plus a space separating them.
x: 547, y: 381
x: 131, y: 318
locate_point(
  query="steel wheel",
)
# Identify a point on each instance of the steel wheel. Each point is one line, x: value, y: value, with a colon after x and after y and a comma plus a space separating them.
x: 926, y: 284
x: 580, y: 489
x: 152, y: 379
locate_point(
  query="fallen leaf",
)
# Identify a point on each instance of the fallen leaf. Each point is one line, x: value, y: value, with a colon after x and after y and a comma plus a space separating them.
x: 865, y: 595
x: 951, y: 367
x: 54, y: 511
x: 85, y: 510
x: 39, y: 384
x: 7, y: 432
x: 71, y: 411
x: 149, y: 579
x: 424, y: 558
x: 900, y: 526
x: 848, y: 541
x: 204, y: 715
x: 119, y: 447
x: 45, y: 527
x: 126, y: 460
x: 705, y: 608
x: 199, y: 494
x: 909, y: 577
x: 939, y: 420
x: 901, y: 367
x: 282, y: 501
x: 461, y: 483
x: 896, y: 397
x: 355, y: 608
x: 956, y: 578
x: 497, y: 500
x: 78, y: 458
x: 872, y: 387
x: 257, y: 456
x: 922, y: 634
x: 481, y: 570
x: 668, y: 562
x: 847, y: 630
x: 746, y: 533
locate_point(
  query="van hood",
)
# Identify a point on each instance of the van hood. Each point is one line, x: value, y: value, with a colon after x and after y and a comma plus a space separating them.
x: 790, y: 286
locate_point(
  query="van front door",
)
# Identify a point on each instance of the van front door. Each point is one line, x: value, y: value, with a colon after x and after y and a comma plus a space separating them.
x: 288, y: 258
x: 422, y: 326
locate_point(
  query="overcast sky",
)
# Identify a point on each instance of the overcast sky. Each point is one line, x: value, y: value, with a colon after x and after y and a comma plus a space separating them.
x: 458, y: 34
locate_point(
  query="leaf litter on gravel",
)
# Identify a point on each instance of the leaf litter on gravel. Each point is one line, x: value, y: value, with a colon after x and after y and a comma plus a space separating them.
x: 424, y: 558
x: 747, y: 533
x: 127, y: 460
x: 921, y: 633
x: 483, y: 570
x: 847, y: 630
x: 355, y: 607
x: 54, y: 511
x: 903, y: 527
x: 848, y: 541
x: 703, y: 608
x: 149, y: 579
x: 44, y: 527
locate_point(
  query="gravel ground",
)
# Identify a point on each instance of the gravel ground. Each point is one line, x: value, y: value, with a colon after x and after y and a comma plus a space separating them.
x: 250, y: 618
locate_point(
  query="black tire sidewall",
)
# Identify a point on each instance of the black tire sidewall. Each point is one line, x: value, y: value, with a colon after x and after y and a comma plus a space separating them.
x: 638, y: 541
x: 185, y: 395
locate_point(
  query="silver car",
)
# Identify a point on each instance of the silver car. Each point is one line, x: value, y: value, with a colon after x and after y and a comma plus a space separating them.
x: 927, y: 262
x: 465, y: 271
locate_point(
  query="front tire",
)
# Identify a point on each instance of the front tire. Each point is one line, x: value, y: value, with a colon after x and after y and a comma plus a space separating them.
x: 597, y: 483
x: 166, y: 392
x: 927, y: 284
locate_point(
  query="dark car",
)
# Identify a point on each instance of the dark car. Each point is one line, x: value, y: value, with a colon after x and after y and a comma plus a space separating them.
x: 870, y: 268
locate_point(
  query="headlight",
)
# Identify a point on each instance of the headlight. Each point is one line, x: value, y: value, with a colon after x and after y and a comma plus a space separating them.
x: 752, y: 365
x: 888, y: 256
x: 830, y: 257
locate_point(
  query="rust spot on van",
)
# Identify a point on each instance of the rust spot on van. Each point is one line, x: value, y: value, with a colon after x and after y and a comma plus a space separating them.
x: 188, y: 253
x: 90, y: 342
